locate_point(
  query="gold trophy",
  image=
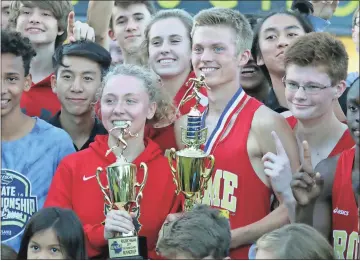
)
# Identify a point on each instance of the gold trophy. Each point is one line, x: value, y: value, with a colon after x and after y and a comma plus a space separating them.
x: 190, y: 174
x: 121, y: 194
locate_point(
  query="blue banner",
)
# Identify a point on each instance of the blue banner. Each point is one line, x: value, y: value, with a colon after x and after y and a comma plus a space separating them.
x: 340, y: 23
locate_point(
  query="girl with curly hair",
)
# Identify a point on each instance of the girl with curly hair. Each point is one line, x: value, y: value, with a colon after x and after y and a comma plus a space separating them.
x: 129, y: 93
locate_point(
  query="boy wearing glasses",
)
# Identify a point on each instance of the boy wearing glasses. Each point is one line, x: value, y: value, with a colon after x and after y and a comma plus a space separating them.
x: 332, y: 195
x: 315, y: 72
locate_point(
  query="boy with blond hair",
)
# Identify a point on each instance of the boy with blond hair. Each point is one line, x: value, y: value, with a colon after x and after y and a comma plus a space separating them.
x: 221, y: 39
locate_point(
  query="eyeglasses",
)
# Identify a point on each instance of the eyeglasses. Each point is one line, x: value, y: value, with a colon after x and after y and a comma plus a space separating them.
x: 308, y: 88
x: 357, y: 23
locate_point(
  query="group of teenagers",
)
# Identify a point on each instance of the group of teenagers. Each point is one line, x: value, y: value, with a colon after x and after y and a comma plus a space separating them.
x: 282, y: 123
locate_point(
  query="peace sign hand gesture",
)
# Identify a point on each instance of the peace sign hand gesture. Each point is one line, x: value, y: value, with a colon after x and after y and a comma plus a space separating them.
x: 306, y: 184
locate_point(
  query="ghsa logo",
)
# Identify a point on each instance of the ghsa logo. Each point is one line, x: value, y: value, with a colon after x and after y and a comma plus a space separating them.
x: 116, y: 247
x: 17, y: 203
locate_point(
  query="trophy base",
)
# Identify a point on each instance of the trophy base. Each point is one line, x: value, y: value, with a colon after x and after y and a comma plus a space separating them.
x: 130, y: 247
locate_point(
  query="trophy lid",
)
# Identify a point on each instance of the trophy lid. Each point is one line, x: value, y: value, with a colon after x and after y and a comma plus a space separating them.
x: 191, y: 153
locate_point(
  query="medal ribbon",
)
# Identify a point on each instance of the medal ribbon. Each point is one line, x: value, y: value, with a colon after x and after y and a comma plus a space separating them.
x: 231, y: 108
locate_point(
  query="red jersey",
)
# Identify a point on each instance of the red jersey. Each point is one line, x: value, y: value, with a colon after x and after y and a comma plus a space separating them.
x: 345, y: 142
x: 165, y: 137
x: 234, y: 185
x: 345, y: 219
x: 75, y: 186
x: 40, y: 100
x: 292, y: 121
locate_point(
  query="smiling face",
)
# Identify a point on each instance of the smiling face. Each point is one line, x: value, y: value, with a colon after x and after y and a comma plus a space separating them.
x: 39, y: 25
x: 276, y: 33
x: 13, y: 83
x: 129, y: 25
x: 76, y: 84
x: 169, y: 50
x: 214, y: 55
x: 252, y: 77
x: 45, y: 245
x: 129, y: 103
x: 307, y: 106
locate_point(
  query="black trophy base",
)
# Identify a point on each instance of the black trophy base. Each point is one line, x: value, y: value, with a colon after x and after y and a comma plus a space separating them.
x: 128, y: 248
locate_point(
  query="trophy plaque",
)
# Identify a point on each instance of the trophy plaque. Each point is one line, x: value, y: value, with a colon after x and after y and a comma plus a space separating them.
x: 190, y: 174
x: 120, y: 193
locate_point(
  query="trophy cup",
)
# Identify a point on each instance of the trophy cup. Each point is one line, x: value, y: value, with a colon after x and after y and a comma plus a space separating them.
x: 190, y: 174
x: 121, y: 194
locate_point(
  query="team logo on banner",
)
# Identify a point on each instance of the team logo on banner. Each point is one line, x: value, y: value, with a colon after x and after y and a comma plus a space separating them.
x: 17, y: 203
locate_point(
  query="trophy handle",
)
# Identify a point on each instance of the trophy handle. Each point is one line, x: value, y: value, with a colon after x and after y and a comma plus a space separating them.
x: 103, y: 188
x: 171, y: 157
x: 140, y: 194
x: 207, y: 175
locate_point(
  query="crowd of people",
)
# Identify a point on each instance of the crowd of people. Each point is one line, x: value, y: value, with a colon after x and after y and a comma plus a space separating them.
x: 281, y: 110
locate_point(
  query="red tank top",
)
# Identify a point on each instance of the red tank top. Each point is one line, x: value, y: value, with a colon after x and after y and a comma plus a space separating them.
x: 345, y: 142
x: 345, y: 219
x: 292, y: 121
x: 234, y: 185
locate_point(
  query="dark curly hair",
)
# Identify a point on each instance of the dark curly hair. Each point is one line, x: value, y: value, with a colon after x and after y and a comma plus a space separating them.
x: 12, y: 42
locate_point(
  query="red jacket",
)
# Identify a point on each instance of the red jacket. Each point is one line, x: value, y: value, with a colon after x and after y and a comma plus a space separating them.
x: 74, y: 186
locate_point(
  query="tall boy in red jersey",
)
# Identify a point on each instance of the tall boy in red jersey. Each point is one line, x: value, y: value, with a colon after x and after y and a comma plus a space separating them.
x: 236, y: 124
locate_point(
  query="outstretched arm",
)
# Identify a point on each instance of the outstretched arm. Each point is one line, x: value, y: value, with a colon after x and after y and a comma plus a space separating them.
x: 98, y: 17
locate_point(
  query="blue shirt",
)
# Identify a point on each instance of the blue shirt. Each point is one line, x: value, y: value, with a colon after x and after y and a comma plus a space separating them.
x: 27, y: 168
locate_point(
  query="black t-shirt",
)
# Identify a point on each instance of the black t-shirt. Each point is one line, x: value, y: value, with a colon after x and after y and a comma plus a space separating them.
x: 98, y: 129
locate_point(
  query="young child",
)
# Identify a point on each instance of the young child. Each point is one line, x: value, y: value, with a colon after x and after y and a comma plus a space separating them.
x: 294, y: 241
x: 53, y: 233
x: 184, y: 237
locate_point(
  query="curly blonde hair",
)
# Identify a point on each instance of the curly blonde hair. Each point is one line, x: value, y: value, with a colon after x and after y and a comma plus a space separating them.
x: 165, y: 111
